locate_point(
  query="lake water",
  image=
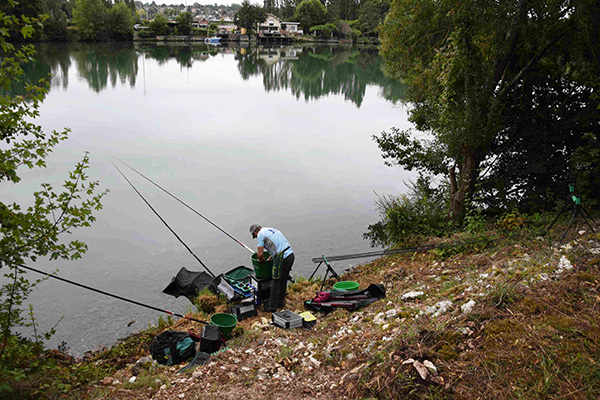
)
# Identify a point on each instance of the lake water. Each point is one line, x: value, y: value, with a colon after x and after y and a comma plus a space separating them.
x: 275, y: 136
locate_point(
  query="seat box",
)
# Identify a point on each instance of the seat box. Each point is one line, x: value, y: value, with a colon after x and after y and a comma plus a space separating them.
x: 244, y: 310
x: 286, y: 319
x: 263, y: 289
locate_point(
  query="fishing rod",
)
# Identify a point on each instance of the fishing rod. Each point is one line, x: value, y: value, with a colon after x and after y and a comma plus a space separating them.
x: 182, y: 202
x: 110, y: 294
x: 163, y: 221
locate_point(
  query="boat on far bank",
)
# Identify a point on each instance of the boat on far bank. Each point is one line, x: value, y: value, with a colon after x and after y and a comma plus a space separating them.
x: 212, y: 40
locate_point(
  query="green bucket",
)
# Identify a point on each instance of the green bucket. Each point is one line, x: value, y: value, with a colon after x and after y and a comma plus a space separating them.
x: 262, y: 269
x: 345, y: 285
x: 225, y: 322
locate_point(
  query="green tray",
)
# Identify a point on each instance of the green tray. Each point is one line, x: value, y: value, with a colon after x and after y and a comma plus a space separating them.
x: 239, y: 274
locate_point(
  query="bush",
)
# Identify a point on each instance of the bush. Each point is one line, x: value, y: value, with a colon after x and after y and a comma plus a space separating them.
x: 405, y: 219
x: 324, y: 31
x: 200, y: 32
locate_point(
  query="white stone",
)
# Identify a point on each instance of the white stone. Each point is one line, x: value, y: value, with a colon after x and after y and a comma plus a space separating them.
x: 439, y: 308
x: 412, y: 295
x: 316, y: 362
x: 543, y: 276
x: 465, y: 331
x: 564, y: 264
x: 391, y: 313
x: 132, y: 379
x: 421, y: 369
x: 430, y: 366
x: 379, y: 319
x: 468, y: 306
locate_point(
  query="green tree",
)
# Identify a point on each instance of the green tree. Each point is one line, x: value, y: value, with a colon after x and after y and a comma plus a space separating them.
x: 38, y: 228
x: 371, y: 14
x: 249, y: 16
x: 184, y: 23
x: 55, y: 26
x: 30, y: 9
x: 120, y: 22
x: 310, y: 13
x: 90, y: 17
x: 159, y: 26
x: 464, y: 62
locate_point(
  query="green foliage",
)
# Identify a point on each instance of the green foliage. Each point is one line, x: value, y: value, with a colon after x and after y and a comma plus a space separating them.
x: 159, y: 26
x: 511, y: 221
x: 406, y: 219
x: 95, y: 21
x: 38, y: 229
x: 120, y: 21
x: 504, y: 91
x: 475, y: 223
x: 55, y: 26
x: 90, y: 18
x: 184, y: 23
x: 310, y: 13
x: 200, y: 32
x: 371, y: 14
x: 505, y: 294
x: 164, y: 324
x: 324, y: 31
x: 249, y: 15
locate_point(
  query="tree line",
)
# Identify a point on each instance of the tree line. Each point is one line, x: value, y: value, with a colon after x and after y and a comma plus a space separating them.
x: 114, y: 20
x: 340, y: 18
x: 72, y: 20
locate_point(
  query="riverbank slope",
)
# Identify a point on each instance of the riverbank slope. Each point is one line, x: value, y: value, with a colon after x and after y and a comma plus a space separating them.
x: 516, y: 317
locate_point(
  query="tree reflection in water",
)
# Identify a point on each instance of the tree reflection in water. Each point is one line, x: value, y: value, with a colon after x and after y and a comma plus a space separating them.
x: 308, y: 72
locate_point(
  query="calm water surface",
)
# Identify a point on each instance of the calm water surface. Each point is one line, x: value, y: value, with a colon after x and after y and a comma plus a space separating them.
x: 275, y: 136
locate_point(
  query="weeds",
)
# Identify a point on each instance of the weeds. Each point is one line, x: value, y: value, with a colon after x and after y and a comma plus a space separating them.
x: 505, y: 294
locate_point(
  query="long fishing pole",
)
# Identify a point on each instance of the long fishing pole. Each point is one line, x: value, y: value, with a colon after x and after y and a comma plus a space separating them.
x: 189, y: 207
x: 163, y: 221
x: 110, y: 294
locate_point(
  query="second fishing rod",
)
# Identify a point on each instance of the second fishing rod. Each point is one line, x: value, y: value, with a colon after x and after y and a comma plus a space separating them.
x: 184, y: 203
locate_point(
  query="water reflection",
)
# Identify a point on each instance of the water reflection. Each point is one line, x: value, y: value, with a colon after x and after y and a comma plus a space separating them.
x: 308, y: 72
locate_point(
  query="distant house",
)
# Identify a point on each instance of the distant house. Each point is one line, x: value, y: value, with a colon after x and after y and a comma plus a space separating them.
x: 292, y: 27
x: 271, y: 25
x: 229, y: 28
x: 200, y: 22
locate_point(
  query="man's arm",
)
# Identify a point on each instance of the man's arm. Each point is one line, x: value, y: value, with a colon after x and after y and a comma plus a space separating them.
x: 259, y: 253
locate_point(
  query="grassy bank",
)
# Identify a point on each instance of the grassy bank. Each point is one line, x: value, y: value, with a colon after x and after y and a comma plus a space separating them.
x: 516, y: 317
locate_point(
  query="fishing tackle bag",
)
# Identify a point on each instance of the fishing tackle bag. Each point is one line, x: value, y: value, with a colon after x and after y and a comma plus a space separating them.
x: 173, y: 347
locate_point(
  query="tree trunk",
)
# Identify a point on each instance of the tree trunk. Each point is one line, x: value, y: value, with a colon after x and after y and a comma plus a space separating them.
x: 462, y: 187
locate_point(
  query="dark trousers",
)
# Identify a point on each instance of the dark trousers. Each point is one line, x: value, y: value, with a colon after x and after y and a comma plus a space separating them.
x: 278, y: 290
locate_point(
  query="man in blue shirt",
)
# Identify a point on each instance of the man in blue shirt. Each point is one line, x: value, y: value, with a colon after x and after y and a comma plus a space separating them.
x: 282, y: 254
